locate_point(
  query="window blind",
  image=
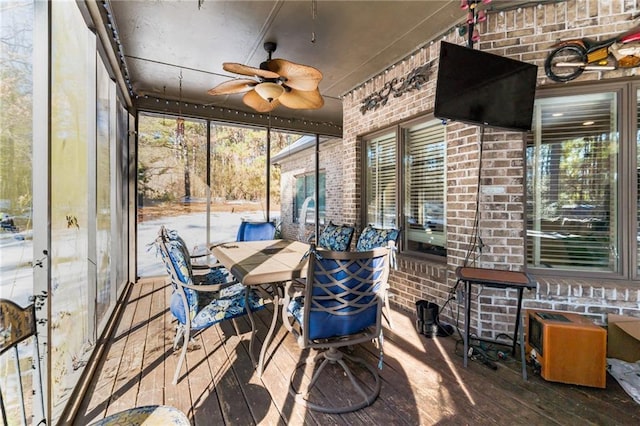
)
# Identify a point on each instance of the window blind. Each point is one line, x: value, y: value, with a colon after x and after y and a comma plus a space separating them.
x: 571, y: 183
x: 425, y: 188
x: 381, y: 180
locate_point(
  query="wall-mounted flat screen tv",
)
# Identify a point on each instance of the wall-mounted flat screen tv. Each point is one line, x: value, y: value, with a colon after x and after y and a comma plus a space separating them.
x: 482, y: 88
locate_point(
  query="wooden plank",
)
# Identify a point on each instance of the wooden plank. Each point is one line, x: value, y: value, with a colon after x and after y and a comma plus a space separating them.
x: 259, y: 403
x: 151, y: 390
x: 94, y: 407
x: 205, y: 406
x: 230, y: 396
x: 128, y: 377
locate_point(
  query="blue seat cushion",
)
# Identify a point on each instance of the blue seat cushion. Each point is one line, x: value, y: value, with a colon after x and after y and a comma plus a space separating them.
x: 229, y: 303
x: 324, y: 325
x: 372, y: 237
x: 336, y: 237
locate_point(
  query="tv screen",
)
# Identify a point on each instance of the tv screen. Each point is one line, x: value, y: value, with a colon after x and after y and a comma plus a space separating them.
x: 481, y: 88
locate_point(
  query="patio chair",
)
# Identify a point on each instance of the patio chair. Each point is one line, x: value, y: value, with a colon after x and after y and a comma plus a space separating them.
x: 339, y: 306
x: 256, y: 231
x: 17, y: 324
x: 372, y: 237
x: 197, y: 307
x: 336, y: 237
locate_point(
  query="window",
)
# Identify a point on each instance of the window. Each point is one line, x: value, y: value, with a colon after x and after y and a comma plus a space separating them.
x: 424, y: 188
x: 422, y: 171
x: 572, y: 184
x: 304, y: 208
x: 637, y: 179
x: 381, y: 186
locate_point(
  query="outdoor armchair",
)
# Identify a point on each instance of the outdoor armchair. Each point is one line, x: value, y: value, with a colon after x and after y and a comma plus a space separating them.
x: 197, y: 307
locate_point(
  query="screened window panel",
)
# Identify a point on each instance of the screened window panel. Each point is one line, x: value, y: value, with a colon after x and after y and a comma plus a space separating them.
x: 381, y: 181
x: 571, y: 183
x: 424, y: 189
x: 304, y: 209
x: 638, y: 183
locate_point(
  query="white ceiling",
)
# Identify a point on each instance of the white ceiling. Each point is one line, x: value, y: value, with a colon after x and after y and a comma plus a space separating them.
x: 354, y: 40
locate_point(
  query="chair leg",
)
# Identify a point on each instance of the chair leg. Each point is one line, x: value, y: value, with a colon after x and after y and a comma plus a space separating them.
x: 179, y: 335
x: 334, y: 356
x: 386, y: 311
x: 186, y: 330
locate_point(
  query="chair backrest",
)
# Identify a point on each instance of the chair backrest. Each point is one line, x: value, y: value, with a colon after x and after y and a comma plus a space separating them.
x: 336, y: 237
x: 179, y: 269
x: 256, y: 231
x: 343, y: 295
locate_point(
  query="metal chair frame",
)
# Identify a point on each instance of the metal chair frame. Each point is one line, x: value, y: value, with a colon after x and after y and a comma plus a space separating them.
x: 16, y: 325
x: 340, y: 285
x: 184, y: 330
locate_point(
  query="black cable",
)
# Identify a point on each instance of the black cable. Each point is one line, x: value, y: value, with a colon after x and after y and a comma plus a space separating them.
x: 474, y: 231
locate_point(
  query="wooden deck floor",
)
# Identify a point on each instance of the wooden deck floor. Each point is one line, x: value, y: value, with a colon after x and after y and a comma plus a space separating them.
x: 423, y: 380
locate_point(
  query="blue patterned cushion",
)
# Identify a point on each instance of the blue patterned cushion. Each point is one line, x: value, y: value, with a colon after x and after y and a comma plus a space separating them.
x: 230, y: 303
x: 336, y: 237
x: 296, y: 308
x: 372, y: 238
x: 215, y: 276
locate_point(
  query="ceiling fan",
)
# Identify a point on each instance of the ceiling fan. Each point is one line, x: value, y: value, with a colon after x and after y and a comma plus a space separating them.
x: 276, y: 82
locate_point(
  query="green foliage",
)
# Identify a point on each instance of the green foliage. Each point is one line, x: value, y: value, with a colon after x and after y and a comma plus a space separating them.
x: 172, y: 164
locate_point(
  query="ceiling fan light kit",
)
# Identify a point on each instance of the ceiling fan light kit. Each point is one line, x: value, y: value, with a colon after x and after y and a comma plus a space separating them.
x: 269, y: 91
x: 276, y: 82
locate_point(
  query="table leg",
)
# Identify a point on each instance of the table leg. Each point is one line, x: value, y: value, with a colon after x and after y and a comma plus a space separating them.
x: 522, y: 356
x: 253, y: 324
x: 515, y: 332
x: 467, y: 319
x: 272, y: 327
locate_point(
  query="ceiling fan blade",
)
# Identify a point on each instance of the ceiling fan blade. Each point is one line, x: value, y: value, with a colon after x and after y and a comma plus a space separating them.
x: 299, y: 77
x: 233, y: 86
x: 300, y: 99
x: 255, y: 101
x: 247, y: 70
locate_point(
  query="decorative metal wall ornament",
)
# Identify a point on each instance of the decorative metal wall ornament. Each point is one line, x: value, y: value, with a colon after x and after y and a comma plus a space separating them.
x: 415, y: 80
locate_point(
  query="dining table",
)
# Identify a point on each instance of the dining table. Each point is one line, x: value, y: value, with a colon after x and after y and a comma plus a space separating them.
x: 264, y: 263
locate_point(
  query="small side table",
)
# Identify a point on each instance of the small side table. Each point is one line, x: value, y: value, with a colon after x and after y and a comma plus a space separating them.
x: 495, y: 279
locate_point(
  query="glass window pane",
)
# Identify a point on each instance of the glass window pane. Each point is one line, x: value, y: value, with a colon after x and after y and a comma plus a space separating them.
x: 16, y: 195
x: 72, y: 59
x: 637, y: 177
x: 571, y: 184
x: 381, y: 180
x: 172, y: 184
x: 424, y: 173
x: 103, y: 190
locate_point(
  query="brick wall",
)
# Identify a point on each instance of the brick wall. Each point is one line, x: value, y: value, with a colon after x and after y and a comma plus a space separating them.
x: 526, y: 34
